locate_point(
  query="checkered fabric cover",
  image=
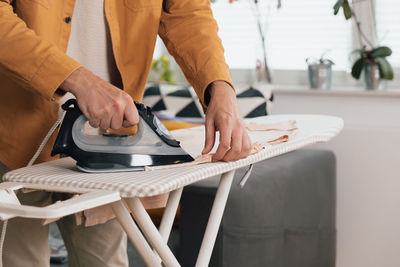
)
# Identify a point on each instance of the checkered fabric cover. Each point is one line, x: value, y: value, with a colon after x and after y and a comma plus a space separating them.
x: 182, y: 102
x: 62, y: 172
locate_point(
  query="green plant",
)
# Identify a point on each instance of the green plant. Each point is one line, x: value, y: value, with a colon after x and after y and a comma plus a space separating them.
x: 375, y: 55
x: 161, y: 67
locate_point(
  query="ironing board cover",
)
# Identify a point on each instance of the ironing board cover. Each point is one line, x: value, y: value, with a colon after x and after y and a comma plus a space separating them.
x: 62, y: 172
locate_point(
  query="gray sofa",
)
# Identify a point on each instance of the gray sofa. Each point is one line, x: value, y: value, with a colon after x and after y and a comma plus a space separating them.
x: 283, y: 217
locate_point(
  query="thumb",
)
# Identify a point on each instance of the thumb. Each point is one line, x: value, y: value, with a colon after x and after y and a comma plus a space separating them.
x: 210, y: 137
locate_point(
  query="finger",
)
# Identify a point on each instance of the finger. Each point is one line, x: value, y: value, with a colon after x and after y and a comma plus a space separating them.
x: 131, y: 115
x: 236, y: 146
x: 126, y: 124
x: 94, y: 114
x: 117, y: 118
x: 94, y: 123
x: 210, y: 137
x: 105, y: 122
x: 246, y: 145
x: 224, y: 143
x: 116, y: 122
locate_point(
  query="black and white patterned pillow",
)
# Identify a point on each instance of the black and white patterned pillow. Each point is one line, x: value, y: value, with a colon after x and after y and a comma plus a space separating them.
x: 176, y: 100
x: 255, y: 102
x: 183, y: 102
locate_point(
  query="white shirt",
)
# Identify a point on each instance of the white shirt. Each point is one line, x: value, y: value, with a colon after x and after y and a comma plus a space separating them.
x: 90, y: 42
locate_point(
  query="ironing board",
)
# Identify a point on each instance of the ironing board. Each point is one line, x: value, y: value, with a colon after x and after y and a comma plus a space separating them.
x: 62, y: 175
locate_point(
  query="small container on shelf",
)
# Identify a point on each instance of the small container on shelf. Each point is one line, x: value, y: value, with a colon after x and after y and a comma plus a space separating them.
x: 319, y: 73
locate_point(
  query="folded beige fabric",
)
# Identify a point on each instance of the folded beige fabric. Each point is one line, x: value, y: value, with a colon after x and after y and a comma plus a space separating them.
x: 261, y: 135
x: 104, y: 213
x: 280, y: 126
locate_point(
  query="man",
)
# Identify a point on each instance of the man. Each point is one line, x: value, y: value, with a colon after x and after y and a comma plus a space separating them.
x: 42, y: 57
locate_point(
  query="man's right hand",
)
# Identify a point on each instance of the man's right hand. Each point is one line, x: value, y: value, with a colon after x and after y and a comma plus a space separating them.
x: 105, y: 105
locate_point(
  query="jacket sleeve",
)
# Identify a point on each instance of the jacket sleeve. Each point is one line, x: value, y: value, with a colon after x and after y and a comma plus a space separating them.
x: 29, y: 60
x: 190, y: 34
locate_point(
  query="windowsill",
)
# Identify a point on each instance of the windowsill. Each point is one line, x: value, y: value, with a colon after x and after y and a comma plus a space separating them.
x: 335, y: 91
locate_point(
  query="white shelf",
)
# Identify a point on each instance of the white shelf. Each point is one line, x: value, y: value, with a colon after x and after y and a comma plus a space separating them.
x: 345, y: 91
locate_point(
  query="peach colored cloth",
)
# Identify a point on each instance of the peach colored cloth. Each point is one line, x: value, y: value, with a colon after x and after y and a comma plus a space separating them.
x: 104, y: 213
x: 280, y: 126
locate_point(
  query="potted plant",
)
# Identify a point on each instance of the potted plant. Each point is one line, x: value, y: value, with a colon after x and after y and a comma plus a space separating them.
x: 375, y: 66
x: 320, y: 72
x: 377, y: 70
x: 161, y: 70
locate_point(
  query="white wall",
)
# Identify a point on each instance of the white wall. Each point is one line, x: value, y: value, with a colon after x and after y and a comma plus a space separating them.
x: 368, y: 180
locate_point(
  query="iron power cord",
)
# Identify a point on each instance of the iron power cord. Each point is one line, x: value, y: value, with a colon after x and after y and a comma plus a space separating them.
x: 33, y: 159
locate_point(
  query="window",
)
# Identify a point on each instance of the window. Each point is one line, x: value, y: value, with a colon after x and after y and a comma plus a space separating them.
x: 388, y: 27
x: 300, y: 29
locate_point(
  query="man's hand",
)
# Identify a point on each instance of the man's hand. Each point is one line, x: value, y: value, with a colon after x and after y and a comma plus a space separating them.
x: 105, y: 105
x: 223, y: 116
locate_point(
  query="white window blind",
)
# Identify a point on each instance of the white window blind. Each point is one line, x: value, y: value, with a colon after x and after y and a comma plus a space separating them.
x: 388, y: 27
x: 298, y: 30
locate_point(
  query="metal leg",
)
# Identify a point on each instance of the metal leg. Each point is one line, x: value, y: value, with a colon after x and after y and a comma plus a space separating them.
x: 169, y: 213
x: 215, y: 218
x: 134, y: 234
x: 158, y: 239
x: 151, y: 232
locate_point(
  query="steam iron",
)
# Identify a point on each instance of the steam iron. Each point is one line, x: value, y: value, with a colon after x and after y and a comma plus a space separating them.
x: 152, y: 145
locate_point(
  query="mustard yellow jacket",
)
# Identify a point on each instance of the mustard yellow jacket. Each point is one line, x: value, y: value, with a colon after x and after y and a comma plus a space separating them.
x: 33, y: 39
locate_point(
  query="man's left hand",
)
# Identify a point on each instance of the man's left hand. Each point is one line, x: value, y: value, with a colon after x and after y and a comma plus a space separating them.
x: 223, y: 115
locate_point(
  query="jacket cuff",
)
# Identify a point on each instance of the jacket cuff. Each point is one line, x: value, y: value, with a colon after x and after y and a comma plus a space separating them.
x: 216, y: 71
x: 52, y: 72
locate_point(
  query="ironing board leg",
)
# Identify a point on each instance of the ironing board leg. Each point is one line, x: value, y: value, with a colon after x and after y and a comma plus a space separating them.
x: 215, y: 218
x: 169, y: 213
x: 151, y: 232
x: 134, y: 234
